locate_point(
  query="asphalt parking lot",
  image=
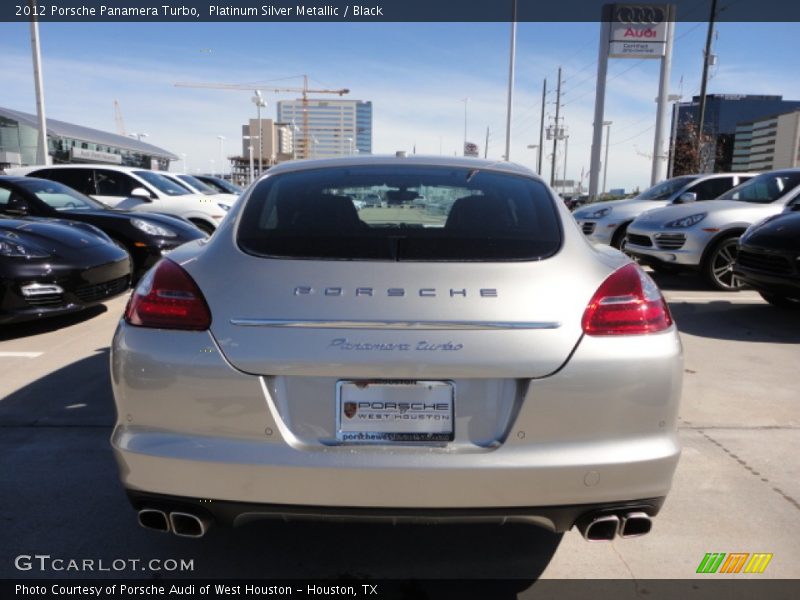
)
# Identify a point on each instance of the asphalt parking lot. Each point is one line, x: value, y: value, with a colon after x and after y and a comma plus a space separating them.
x: 737, y: 488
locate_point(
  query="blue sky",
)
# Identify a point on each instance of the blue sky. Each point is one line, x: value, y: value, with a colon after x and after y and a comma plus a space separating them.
x: 416, y: 75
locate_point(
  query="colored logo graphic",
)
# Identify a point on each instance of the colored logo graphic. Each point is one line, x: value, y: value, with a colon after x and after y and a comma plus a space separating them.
x: 735, y: 562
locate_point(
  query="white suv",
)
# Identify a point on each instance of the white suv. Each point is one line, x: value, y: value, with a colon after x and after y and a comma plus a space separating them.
x: 133, y: 188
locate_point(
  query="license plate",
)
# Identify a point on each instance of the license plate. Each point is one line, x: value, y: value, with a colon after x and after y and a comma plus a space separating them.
x: 394, y: 411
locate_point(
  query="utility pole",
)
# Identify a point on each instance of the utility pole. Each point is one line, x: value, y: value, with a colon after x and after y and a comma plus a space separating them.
x: 704, y: 82
x: 486, y: 145
x: 541, y: 129
x: 555, y: 136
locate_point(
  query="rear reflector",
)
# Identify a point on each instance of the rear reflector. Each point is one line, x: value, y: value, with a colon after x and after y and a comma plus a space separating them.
x: 628, y: 302
x: 168, y: 298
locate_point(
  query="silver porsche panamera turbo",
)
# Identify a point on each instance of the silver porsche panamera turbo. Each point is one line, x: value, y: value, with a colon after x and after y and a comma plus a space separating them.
x: 456, y: 351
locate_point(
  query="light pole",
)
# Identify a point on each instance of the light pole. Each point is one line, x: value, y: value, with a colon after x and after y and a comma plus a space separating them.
x: 349, y: 145
x: 315, y: 141
x: 211, y: 160
x: 259, y: 101
x: 466, y: 102
x: 221, y: 139
x: 183, y: 156
x: 511, y: 61
x: 42, y: 154
x: 564, y: 179
x: 534, y: 147
x: 605, y: 163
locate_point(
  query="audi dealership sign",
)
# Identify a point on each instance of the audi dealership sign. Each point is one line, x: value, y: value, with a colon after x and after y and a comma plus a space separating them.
x: 638, y: 30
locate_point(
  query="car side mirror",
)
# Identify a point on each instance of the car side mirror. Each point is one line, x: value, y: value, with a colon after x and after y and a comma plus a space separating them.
x: 141, y: 194
x: 686, y: 198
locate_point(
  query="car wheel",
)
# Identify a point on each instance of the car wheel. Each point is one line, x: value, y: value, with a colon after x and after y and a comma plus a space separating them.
x: 204, y: 227
x: 620, y: 239
x: 781, y: 301
x: 718, y: 266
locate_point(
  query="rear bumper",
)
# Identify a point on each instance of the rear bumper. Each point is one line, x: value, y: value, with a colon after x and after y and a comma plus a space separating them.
x: 235, y: 514
x: 601, y: 430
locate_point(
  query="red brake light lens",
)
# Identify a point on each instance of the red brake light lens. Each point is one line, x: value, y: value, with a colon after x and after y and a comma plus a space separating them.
x: 628, y: 302
x: 168, y: 298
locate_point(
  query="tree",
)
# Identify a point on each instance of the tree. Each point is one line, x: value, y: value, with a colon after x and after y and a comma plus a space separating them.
x: 689, y: 159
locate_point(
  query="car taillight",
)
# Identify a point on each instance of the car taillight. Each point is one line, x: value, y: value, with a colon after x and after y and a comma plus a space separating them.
x: 168, y: 298
x: 628, y: 302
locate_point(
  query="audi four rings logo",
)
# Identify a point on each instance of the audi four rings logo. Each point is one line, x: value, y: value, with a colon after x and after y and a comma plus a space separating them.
x: 640, y: 15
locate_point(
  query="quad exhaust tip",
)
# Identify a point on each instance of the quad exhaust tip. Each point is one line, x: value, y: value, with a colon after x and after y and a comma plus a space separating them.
x: 601, y: 529
x: 635, y: 524
x: 605, y: 527
x: 155, y: 520
x: 188, y: 525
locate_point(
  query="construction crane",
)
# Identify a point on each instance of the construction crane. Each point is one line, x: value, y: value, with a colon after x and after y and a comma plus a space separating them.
x: 304, y: 91
x: 118, y: 118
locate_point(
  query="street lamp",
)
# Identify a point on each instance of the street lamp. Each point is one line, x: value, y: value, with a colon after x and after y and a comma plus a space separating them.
x: 315, y: 141
x: 259, y: 101
x: 211, y: 160
x: 221, y: 139
x: 183, y: 156
x: 534, y: 147
x: 349, y: 145
x: 605, y: 164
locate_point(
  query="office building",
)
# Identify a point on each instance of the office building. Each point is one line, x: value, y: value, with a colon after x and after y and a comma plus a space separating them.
x: 724, y: 112
x: 328, y: 128
x: 69, y: 143
x: 277, y: 146
x: 769, y: 143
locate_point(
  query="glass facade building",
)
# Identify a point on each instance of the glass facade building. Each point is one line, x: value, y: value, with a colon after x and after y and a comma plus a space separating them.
x: 69, y: 143
x: 329, y: 128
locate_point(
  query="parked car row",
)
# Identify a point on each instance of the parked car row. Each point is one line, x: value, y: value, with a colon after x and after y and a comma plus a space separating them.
x: 682, y: 233
x: 136, y: 189
x: 61, y: 251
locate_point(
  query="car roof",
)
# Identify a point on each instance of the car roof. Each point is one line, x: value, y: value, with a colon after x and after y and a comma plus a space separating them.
x: 413, y: 160
x: 124, y: 168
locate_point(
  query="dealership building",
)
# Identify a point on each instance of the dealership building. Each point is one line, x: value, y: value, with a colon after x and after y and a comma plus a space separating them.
x: 69, y: 143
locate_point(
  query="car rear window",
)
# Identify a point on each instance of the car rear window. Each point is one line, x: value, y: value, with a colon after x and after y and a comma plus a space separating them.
x: 406, y: 213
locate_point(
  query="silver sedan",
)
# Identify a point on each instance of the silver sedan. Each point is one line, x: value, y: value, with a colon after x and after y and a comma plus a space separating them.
x: 459, y: 352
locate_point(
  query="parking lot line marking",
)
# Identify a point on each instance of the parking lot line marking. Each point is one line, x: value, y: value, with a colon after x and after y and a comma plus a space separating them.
x: 20, y: 354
